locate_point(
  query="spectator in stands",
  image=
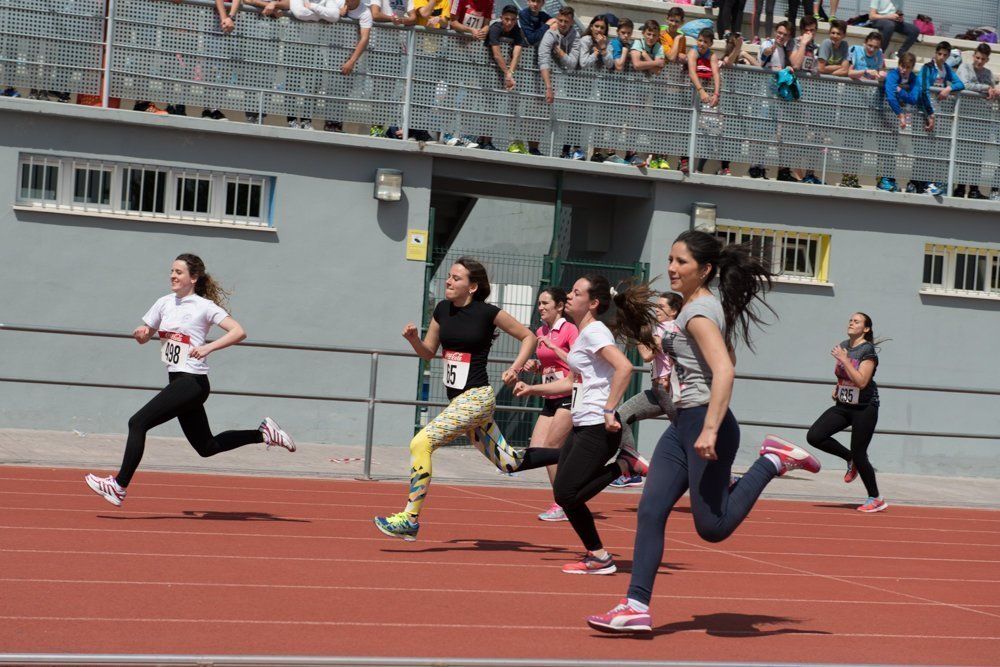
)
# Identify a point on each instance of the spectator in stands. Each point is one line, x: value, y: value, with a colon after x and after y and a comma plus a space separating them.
x: 938, y: 74
x: 868, y: 62
x: 534, y: 22
x: 979, y: 79
x: 360, y: 11
x: 227, y: 19
x: 430, y: 13
x: 902, y: 88
x: 472, y: 17
x: 673, y: 41
x: 595, y: 47
x: 505, y: 32
x: 735, y: 55
x: 647, y: 53
x: 314, y: 10
x: 391, y: 11
x: 887, y: 19
x: 803, y: 52
x: 774, y: 55
x: 621, y: 45
x: 703, y: 67
x: 834, y: 54
x: 730, y: 17
x: 793, y: 11
x: 562, y: 45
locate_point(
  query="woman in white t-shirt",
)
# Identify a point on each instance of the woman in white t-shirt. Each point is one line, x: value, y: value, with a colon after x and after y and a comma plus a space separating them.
x: 600, y: 375
x: 182, y: 321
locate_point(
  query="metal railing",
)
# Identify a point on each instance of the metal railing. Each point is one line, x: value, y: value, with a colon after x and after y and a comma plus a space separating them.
x: 372, y: 399
x: 438, y: 81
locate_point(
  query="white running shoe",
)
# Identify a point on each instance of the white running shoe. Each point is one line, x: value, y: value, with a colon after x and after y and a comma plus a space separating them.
x: 274, y: 436
x: 107, y: 487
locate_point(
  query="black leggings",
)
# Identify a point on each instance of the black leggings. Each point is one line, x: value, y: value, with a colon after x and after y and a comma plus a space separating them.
x: 862, y: 420
x: 718, y: 508
x: 183, y: 398
x: 583, y: 472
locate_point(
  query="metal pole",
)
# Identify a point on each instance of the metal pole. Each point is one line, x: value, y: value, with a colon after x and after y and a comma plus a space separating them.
x: 693, y: 138
x: 260, y: 107
x: 411, y: 43
x: 826, y: 152
x: 370, y: 430
x: 954, y: 146
x: 109, y: 33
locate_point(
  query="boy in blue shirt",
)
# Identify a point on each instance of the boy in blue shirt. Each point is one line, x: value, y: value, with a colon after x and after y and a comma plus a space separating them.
x: 902, y: 87
x: 534, y: 22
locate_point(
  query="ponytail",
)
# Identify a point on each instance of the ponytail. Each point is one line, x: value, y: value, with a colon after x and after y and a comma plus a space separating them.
x: 635, y: 317
x: 205, y: 286
x: 743, y: 279
x: 870, y: 334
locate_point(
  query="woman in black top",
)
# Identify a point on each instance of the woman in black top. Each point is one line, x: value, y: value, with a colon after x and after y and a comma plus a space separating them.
x: 464, y: 326
x: 856, y: 398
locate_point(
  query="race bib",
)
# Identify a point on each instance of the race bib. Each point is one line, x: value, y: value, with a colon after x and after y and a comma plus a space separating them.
x: 552, y: 374
x: 474, y: 19
x: 576, y: 402
x: 847, y: 393
x: 456, y: 369
x: 174, y: 348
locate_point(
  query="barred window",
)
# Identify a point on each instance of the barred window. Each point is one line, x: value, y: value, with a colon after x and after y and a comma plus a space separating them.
x: 68, y: 185
x: 793, y: 256
x: 961, y: 270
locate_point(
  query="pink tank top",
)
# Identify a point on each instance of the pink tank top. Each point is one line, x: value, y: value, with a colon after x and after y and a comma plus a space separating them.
x: 662, y: 365
x: 563, y: 334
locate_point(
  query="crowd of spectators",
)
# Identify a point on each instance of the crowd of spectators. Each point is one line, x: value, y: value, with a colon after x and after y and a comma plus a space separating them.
x: 788, y: 50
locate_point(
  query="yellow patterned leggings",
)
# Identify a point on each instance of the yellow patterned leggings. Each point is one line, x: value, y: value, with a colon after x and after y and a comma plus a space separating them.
x: 467, y: 412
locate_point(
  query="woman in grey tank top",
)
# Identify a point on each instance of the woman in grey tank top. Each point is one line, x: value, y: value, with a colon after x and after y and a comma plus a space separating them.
x: 696, y: 452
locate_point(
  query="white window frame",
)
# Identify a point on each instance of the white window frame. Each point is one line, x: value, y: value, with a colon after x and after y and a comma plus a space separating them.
x: 949, y: 274
x: 781, y: 242
x: 115, y: 208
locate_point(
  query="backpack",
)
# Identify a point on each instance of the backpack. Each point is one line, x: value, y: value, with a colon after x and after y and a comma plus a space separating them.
x: 692, y: 28
x: 785, y: 85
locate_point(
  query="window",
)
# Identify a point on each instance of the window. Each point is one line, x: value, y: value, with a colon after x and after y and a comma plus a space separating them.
x: 793, y: 256
x: 39, y: 179
x: 70, y: 185
x: 961, y: 270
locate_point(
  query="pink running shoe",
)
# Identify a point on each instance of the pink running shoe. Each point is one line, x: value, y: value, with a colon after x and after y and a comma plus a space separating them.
x: 106, y: 487
x: 591, y: 564
x: 553, y: 513
x: 622, y: 618
x: 792, y: 457
x: 636, y: 464
x: 274, y: 436
x: 873, y: 505
x: 852, y: 473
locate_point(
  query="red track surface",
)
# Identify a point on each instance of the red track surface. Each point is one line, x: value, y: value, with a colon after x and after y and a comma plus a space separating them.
x: 248, y: 565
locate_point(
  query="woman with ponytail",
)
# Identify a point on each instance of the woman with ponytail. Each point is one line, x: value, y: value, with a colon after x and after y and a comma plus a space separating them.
x: 600, y: 374
x: 182, y: 321
x: 696, y: 452
x: 856, y: 405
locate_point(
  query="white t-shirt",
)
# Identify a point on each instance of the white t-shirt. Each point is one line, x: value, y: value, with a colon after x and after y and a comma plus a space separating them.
x: 592, y: 374
x: 191, y: 317
x: 392, y: 7
x: 362, y: 14
x: 884, y: 7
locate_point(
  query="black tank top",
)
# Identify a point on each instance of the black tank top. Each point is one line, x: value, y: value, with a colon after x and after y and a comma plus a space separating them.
x: 466, y: 335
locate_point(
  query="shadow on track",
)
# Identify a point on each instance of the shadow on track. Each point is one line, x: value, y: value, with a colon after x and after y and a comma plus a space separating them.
x: 211, y: 515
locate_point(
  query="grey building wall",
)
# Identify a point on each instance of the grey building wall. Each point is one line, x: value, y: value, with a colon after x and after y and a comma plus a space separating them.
x: 334, y: 273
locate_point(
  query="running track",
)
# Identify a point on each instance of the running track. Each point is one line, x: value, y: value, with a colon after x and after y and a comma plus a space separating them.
x: 206, y: 564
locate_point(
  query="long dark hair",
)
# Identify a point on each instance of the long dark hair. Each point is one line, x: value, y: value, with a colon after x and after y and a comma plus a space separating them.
x: 205, y: 285
x: 743, y: 279
x: 589, y: 31
x: 674, y: 301
x: 635, y: 316
x: 477, y: 275
x: 870, y: 334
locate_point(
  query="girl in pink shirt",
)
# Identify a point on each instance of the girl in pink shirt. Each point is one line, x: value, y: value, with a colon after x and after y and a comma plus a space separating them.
x: 555, y: 337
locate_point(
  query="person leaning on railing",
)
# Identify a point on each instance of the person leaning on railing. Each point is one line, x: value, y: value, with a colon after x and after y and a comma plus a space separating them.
x: 979, y: 79
x: 902, y: 88
x: 535, y: 22
x: 504, y: 33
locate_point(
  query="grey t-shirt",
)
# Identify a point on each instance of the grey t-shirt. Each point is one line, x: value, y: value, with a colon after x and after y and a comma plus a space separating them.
x: 691, y: 379
x: 855, y: 355
x: 833, y: 55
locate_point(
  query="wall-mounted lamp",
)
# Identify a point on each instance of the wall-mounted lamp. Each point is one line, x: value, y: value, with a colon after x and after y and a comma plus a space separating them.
x: 388, y: 184
x: 703, y: 217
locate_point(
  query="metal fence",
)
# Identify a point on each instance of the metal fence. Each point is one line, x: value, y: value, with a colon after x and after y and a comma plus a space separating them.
x: 439, y: 81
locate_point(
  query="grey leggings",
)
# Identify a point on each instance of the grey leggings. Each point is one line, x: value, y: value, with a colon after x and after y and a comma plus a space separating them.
x: 647, y: 404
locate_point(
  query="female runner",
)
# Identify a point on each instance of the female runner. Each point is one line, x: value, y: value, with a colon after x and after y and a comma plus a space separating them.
x: 182, y: 320
x: 856, y: 405
x: 696, y: 452
x: 464, y: 325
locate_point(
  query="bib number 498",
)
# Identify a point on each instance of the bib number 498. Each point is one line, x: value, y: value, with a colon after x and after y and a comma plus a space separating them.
x: 174, y: 348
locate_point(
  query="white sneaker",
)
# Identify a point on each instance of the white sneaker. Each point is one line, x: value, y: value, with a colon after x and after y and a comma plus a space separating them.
x: 294, y: 124
x: 107, y: 487
x: 274, y: 436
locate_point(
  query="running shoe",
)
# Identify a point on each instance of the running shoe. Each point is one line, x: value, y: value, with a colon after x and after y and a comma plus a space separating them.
x: 811, y: 179
x: 873, y: 505
x: 553, y: 513
x: 373, y: 131
x: 628, y: 480
x: 274, y: 436
x: 785, y: 174
x: 683, y: 166
x: 933, y: 189
x: 517, y: 147
x: 591, y: 564
x: 974, y: 193
x: 488, y: 146
x: 334, y: 126
x: 887, y: 184
x: 757, y: 171
x: 614, y: 158
x: 636, y: 464
x: 852, y: 473
x: 724, y: 172
x: 994, y: 194
x: 106, y: 487
x: 577, y: 154
x: 623, y: 618
x: 849, y: 181
x: 792, y: 457
x: 398, y: 525
x: 534, y: 151
x: 959, y: 191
